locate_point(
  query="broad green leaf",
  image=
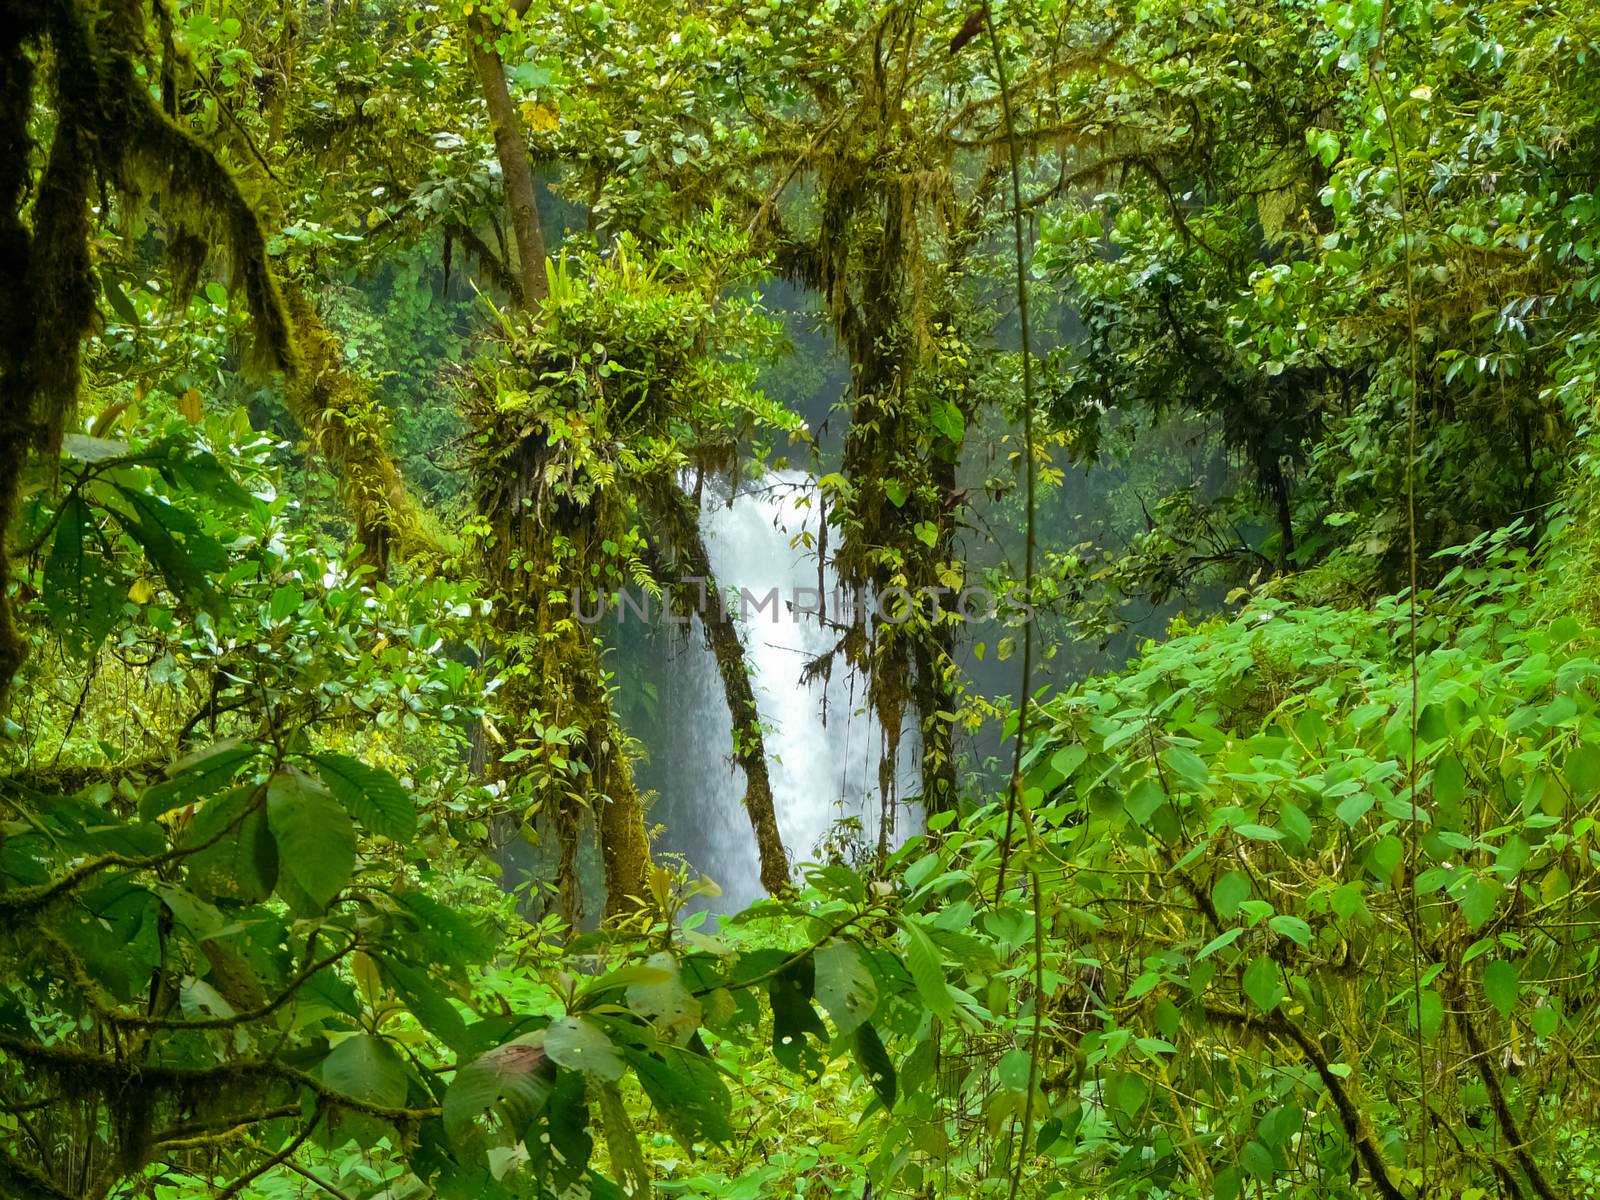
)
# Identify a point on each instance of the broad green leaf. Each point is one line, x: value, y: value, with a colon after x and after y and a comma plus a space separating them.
x: 1352, y: 808
x: 1478, y: 900
x: 945, y: 417
x: 927, y: 971
x: 845, y: 986
x: 1546, y: 1018
x: 1500, y: 984
x: 1126, y: 1093
x: 1386, y: 856
x: 665, y: 1002
x: 1226, y: 938
x: 875, y: 1064
x: 578, y: 1044
x: 235, y: 858
x: 1583, y: 770
x: 1292, y: 928
x: 366, y: 1068
x: 1068, y: 759
x: 794, y: 1021
x: 316, y: 842
x: 1263, y: 983
x: 1190, y: 768
x: 1229, y: 892
x: 81, y: 596
x: 449, y: 935
x: 373, y: 796
x: 687, y: 1089
x: 1013, y: 1070
x: 1430, y: 1013
x: 517, y: 1076
x: 1258, y: 833
x: 428, y: 1003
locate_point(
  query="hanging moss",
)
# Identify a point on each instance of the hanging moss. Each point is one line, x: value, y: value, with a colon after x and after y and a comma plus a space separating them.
x: 107, y: 131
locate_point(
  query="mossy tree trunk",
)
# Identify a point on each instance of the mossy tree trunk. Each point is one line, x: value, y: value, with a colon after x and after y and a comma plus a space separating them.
x: 512, y: 151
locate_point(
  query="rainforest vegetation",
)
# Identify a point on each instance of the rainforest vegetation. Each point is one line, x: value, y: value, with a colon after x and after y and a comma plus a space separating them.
x: 1184, y: 409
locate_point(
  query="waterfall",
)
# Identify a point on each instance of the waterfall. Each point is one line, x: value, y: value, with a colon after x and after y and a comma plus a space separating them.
x: 823, y: 748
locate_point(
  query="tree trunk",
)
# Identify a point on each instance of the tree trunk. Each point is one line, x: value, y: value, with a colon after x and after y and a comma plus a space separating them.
x: 674, y: 516
x: 618, y: 815
x: 512, y: 151
x: 1280, y: 494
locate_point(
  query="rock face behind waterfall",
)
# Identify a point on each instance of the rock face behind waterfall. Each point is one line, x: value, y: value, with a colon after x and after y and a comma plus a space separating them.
x: 824, y: 748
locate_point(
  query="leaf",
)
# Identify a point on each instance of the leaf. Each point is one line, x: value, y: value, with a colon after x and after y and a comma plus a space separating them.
x: 197, y: 775
x: 1500, y: 984
x: 430, y: 1005
x: 1229, y: 892
x: 118, y: 299
x: 845, y: 986
x: 1386, y: 856
x: 945, y: 417
x: 81, y: 598
x: 183, y: 574
x: 1258, y: 833
x: 1546, y: 1019
x: 1226, y: 938
x: 1430, y: 1013
x: 688, y: 1091
x: 665, y: 1002
x: 199, y: 548
x: 578, y: 1044
x: 794, y: 1020
x: 238, y: 859
x: 82, y: 448
x: 558, y: 1139
x: 1066, y: 761
x: 316, y: 842
x: 927, y: 972
x: 1478, y: 900
x: 373, y: 796
x: 875, y: 1063
x: 517, y: 1075
x: 447, y: 935
x: 366, y: 1068
x: 1013, y: 1069
x: 1292, y: 928
x: 1295, y: 823
x: 1583, y: 770
x: 1352, y: 808
x: 1188, y: 765
x: 1263, y: 984
x: 1126, y: 1093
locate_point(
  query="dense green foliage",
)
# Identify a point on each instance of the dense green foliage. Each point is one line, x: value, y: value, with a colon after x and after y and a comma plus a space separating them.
x: 351, y: 350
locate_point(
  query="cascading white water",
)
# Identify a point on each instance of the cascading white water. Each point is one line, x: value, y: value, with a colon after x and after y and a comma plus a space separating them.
x: 823, y: 748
